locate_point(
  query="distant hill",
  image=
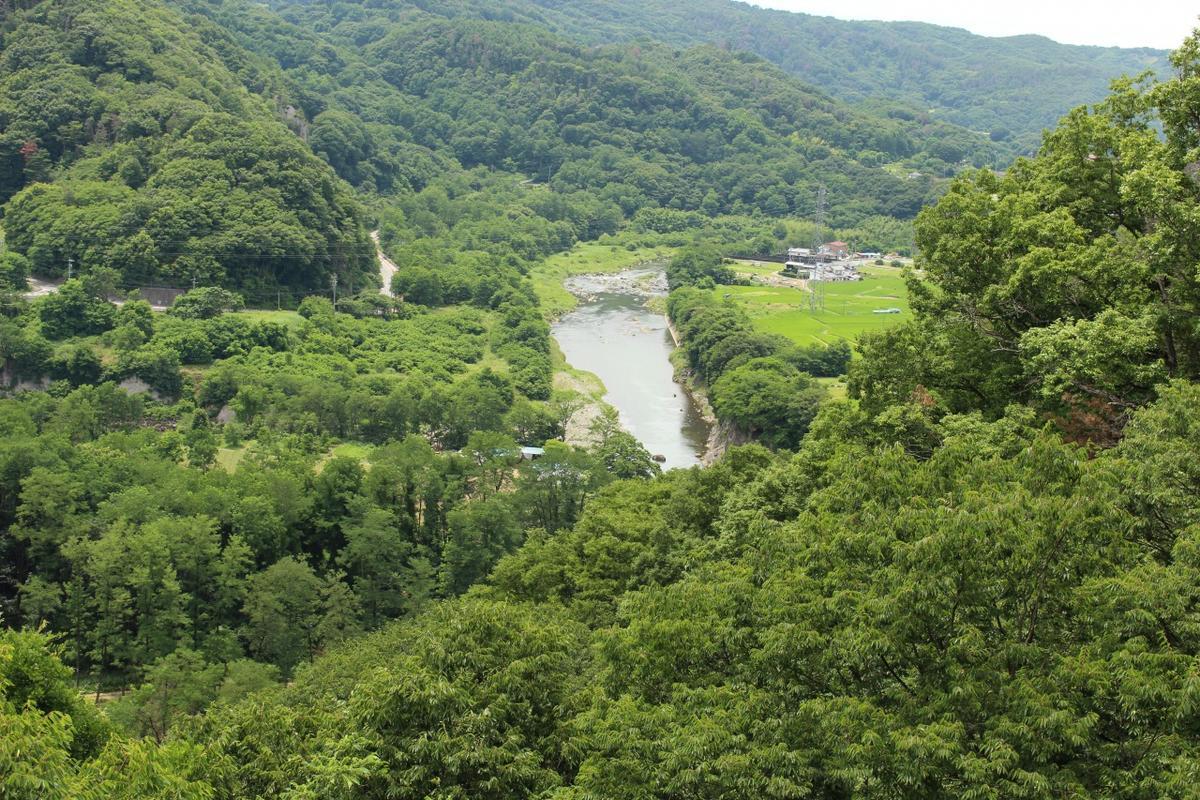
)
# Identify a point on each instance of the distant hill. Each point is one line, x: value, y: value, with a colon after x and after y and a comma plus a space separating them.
x: 1012, y: 87
x: 635, y: 124
x: 201, y: 141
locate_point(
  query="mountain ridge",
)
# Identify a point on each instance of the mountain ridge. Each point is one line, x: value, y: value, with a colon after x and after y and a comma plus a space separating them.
x: 919, y: 65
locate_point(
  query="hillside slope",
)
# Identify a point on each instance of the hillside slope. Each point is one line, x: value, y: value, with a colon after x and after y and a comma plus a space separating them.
x: 132, y: 138
x: 1012, y: 87
x: 639, y: 124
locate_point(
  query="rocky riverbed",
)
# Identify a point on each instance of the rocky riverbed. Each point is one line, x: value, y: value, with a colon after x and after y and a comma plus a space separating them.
x: 637, y: 283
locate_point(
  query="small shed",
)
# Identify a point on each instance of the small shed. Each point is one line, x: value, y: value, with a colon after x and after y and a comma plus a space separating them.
x: 532, y: 453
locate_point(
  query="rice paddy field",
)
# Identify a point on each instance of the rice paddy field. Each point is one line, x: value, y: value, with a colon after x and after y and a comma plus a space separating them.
x: 848, y: 308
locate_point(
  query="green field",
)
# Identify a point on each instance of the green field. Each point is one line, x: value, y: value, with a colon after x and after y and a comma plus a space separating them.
x: 585, y: 259
x: 289, y: 318
x: 848, y: 307
x: 835, y: 386
x: 228, y: 458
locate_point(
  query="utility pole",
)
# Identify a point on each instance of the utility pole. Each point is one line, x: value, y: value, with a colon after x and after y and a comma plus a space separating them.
x: 70, y: 266
x: 333, y: 283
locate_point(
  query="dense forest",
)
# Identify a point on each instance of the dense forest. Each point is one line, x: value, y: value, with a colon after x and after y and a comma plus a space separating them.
x: 1010, y: 88
x: 129, y: 143
x: 280, y: 538
x: 638, y: 125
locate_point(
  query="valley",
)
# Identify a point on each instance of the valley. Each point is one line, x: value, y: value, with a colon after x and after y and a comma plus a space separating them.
x: 539, y: 400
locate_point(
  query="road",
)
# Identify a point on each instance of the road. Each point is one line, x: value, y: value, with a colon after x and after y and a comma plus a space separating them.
x: 40, y: 288
x: 386, y: 268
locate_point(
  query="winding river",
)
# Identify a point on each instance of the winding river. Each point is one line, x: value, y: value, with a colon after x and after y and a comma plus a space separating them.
x: 628, y: 346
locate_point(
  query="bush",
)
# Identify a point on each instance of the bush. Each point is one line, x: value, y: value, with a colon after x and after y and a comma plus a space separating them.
x: 78, y: 364
x: 14, y: 271
x: 71, y: 311
x: 24, y: 350
x: 158, y: 366
x: 694, y: 266
x: 770, y: 399
x: 315, y: 306
x: 206, y: 302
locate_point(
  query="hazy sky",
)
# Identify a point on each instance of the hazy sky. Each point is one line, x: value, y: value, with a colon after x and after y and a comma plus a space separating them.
x: 1129, y: 23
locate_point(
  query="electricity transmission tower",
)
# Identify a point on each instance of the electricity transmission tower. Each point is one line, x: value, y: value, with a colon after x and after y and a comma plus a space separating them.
x: 821, y: 216
x: 816, y: 288
x: 816, y: 296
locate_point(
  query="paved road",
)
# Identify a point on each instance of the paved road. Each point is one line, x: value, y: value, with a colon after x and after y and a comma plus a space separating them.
x: 386, y: 268
x: 40, y: 288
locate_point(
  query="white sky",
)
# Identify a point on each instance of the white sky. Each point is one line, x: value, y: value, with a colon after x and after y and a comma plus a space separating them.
x: 1127, y: 23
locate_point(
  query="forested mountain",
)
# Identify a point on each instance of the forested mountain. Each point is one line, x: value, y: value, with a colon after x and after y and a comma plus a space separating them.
x: 393, y: 94
x: 164, y: 165
x: 1011, y: 88
x: 638, y: 125
x: 203, y: 174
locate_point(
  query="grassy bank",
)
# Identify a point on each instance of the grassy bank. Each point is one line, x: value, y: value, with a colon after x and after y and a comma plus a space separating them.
x: 589, y: 389
x: 585, y: 259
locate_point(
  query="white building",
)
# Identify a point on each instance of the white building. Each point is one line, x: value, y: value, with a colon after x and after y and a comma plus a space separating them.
x: 834, y: 273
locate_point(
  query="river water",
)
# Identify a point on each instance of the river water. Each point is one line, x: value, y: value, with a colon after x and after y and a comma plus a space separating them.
x: 613, y: 335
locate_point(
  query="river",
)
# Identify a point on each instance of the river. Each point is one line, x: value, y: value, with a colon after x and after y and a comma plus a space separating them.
x: 613, y: 335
